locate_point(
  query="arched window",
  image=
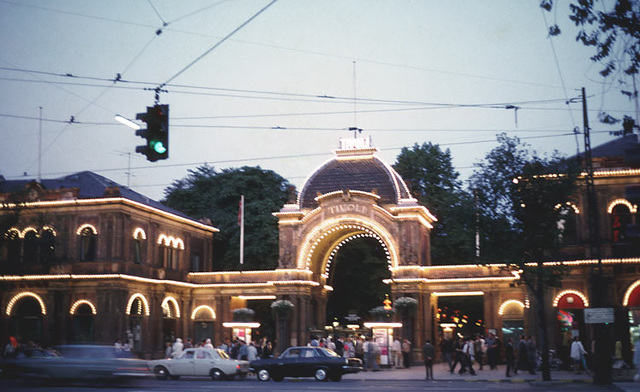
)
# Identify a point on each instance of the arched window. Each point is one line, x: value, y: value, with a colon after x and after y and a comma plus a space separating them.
x: 47, y: 246
x: 87, y: 244
x: 139, y: 238
x: 568, y: 225
x: 30, y: 246
x: 13, y: 246
x: 620, y: 219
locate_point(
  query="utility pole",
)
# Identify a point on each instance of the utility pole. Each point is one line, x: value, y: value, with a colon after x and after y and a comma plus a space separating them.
x: 599, y: 293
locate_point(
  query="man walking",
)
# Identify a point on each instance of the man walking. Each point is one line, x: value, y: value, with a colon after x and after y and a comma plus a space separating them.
x: 509, y: 357
x: 428, y: 353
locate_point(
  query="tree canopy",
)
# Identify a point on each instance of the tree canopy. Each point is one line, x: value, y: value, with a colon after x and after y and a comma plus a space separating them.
x: 215, y: 195
x: 431, y: 178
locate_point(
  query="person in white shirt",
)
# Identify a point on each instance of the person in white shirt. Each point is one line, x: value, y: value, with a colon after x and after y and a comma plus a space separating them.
x: 577, y: 351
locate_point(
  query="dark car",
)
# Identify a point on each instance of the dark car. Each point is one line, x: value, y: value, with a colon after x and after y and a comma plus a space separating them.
x: 317, y: 362
x: 18, y: 364
x: 85, y: 362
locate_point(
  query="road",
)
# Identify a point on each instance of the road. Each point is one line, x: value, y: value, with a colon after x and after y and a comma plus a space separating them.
x: 346, y: 385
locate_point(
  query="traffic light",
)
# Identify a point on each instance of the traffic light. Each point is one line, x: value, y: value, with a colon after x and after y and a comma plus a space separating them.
x: 156, y: 134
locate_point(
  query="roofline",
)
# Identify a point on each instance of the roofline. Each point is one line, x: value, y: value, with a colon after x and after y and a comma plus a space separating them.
x: 111, y: 200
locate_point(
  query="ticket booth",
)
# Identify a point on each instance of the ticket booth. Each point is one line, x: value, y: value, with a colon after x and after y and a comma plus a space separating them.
x: 383, y: 335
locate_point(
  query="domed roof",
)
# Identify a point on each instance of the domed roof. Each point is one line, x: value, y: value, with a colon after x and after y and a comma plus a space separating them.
x: 356, y: 169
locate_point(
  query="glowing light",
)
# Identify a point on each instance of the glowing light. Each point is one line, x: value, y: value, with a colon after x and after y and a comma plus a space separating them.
x: 456, y: 293
x: 627, y: 294
x: 382, y: 325
x: 240, y: 325
x: 18, y: 297
x: 87, y: 226
x: 632, y: 207
x: 570, y: 205
x: 203, y: 307
x: 170, y: 241
x: 141, y: 303
x: 505, y: 304
x: 256, y: 297
x: 166, y: 305
x: 569, y: 292
x: 139, y: 234
x: 83, y: 302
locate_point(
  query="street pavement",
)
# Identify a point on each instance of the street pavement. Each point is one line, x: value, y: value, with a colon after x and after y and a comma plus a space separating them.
x: 441, y: 373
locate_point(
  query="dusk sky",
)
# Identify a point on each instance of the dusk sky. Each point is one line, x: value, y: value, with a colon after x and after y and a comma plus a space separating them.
x: 281, y: 91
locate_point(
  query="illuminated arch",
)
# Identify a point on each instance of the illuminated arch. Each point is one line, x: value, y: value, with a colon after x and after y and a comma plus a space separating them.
x: 50, y: 229
x: 570, y: 205
x: 337, y: 247
x: 163, y: 240
x: 632, y: 207
x: 203, y: 307
x: 166, y: 304
x: 139, y: 234
x: 630, y: 296
x: 143, y: 300
x: 87, y: 226
x: 348, y: 225
x: 561, y: 294
x: 27, y: 230
x: 18, y: 297
x: 7, y: 234
x: 178, y: 244
x: 76, y: 304
x: 510, y: 302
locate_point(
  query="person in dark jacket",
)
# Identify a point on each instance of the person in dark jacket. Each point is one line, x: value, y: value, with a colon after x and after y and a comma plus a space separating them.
x: 509, y: 358
x: 428, y: 354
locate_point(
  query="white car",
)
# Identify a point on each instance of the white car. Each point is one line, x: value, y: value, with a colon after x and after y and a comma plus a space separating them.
x: 199, y: 362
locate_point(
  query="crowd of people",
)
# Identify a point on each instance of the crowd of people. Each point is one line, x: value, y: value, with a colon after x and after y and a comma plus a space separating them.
x: 235, y: 349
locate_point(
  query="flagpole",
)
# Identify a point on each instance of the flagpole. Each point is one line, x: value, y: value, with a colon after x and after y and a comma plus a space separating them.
x: 241, y: 231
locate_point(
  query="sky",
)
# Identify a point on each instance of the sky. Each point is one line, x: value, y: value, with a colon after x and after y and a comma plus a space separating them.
x: 276, y: 85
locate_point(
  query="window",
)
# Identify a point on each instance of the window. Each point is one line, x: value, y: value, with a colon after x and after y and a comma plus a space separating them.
x: 195, y: 263
x: 13, y: 246
x: 567, y: 226
x: 203, y: 355
x: 189, y: 354
x: 47, y: 246
x: 30, y: 247
x: 87, y: 244
x: 620, y: 219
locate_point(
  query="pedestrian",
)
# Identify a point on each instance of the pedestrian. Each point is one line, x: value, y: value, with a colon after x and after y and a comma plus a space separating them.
x: 11, y: 349
x: 252, y: 352
x: 532, y: 350
x: 577, y: 352
x: 458, y: 356
x: 371, y: 352
x: 188, y: 343
x: 446, y: 347
x: 469, y: 356
x: 523, y: 361
x: 207, y: 344
x: 176, y: 349
x: 168, y: 350
x: 314, y: 341
x: 493, y: 349
x: 359, y: 348
x: 406, y: 353
x: 509, y: 357
x: 479, y: 349
x: 428, y: 354
x: 396, y: 353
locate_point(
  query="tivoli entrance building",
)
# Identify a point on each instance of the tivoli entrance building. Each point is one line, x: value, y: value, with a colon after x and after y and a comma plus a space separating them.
x: 108, y: 265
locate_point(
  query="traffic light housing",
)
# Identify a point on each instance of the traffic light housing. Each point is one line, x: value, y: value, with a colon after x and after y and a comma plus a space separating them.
x: 156, y: 134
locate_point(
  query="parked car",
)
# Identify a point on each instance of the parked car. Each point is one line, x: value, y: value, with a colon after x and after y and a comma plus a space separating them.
x: 83, y: 362
x: 199, y: 362
x: 317, y: 362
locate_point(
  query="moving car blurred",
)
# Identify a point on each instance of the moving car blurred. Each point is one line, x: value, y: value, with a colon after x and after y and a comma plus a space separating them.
x: 199, y: 362
x: 83, y: 362
x: 17, y: 364
x: 317, y: 362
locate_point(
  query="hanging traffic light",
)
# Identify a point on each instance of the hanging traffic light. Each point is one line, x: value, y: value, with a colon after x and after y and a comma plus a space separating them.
x: 156, y: 134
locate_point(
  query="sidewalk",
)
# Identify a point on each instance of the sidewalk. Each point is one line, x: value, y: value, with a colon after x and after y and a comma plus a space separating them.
x: 441, y: 373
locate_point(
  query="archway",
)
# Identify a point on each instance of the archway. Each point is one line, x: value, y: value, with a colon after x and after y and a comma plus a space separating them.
x: 356, y: 275
x: 26, y: 312
x: 82, y: 321
x: 203, y: 317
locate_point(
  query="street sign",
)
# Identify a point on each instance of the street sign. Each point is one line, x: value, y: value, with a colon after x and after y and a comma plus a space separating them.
x: 598, y: 315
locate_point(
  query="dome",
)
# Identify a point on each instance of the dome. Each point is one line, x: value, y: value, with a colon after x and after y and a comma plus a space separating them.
x: 356, y: 169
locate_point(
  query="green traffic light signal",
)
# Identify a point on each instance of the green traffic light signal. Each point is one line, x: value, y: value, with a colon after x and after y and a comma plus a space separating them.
x: 158, y: 146
x: 156, y: 134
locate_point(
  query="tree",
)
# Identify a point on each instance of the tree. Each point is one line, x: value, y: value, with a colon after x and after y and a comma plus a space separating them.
x: 431, y: 178
x: 215, y: 195
x: 528, y: 202
x: 613, y: 30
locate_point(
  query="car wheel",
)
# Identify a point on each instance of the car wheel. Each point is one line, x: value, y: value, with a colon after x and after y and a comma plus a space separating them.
x: 216, y: 374
x: 320, y: 374
x: 161, y: 372
x: 335, y: 377
x: 264, y: 375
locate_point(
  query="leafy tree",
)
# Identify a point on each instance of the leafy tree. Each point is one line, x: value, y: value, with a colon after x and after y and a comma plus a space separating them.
x: 215, y: 195
x: 531, y: 188
x: 430, y: 175
x: 613, y: 30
